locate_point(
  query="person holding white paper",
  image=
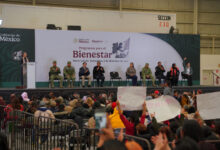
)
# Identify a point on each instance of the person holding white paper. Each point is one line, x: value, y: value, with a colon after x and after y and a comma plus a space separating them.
x: 134, y: 119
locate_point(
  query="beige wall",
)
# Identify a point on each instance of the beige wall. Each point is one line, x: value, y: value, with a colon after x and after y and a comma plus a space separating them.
x: 209, y: 64
x: 37, y: 17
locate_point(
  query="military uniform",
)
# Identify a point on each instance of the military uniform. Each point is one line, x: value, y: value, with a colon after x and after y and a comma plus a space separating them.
x: 69, y: 73
x: 54, y: 74
x: 146, y: 73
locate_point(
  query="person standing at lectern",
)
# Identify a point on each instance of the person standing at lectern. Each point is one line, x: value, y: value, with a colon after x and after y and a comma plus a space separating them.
x: 54, y: 74
x: 24, y: 61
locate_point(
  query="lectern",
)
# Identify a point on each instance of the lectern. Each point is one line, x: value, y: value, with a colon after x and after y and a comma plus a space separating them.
x: 29, y: 75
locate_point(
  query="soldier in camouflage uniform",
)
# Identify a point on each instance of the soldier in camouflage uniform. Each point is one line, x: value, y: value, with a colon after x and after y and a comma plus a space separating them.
x: 147, y: 74
x: 54, y: 74
x: 69, y: 73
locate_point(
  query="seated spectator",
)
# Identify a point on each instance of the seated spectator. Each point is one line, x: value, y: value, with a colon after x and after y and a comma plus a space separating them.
x: 25, y: 100
x: 159, y: 72
x: 147, y: 74
x: 52, y: 106
x: 14, y: 105
x: 73, y: 102
x: 79, y: 110
x: 61, y: 113
x: 88, y: 103
x: 173, y: 75
x: 176, y: 95
x: 85, y: 74
x: 156, y: 94
x: 32, y: 107
x: 43, y: 111
x: 188, y: 71
x: 185, y: 100
x: 167, y: 89
x: 186, y: 143
x: 98, y: 74
x: 68, y: 109
x: 54, y: 74
x: 131, y: 74
x: 51, y: 96
x: 69, y: 73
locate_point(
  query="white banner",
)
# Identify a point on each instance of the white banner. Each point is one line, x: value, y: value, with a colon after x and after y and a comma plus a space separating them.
x: 131, y: 98
x: 208, y: 105
x: 164, y: 107
x: 114, y: 49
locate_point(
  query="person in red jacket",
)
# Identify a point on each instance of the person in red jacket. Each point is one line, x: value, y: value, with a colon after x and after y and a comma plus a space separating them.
x: 174, y: 75
x: 131, y: 125
x: 14, y: 105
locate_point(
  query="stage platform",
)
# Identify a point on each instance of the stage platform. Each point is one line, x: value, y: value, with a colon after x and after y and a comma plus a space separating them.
x: 39, y: 92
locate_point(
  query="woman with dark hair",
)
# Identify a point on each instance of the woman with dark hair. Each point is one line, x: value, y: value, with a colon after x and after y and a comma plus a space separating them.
x: 186, y: 143
x: 174, y: 75
x: 14, y: 105
x: 192, y: 129
x: 131, y: 124
x: 185, y: 100
x: 166, y: 130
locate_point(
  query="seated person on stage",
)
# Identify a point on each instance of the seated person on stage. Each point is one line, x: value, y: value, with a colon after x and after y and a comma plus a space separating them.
x: 54, y: 74
x: 85, y: 74
x: 69, y: 73
x: 174, y: 75
x: 147, y: 74
x: 131, y: 74
x: 98, y: 74
x: 159, y: 73
x: 188, y: 71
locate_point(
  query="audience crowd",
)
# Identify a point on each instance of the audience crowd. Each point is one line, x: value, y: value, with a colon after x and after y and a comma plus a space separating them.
x: 186, y: 131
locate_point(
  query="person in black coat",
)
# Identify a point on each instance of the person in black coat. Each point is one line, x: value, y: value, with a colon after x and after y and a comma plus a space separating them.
x: 159, y: 72
x: 98, y: 74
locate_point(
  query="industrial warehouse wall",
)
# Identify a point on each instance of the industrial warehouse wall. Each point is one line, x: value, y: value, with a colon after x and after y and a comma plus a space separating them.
x: 208, y: 17
x: 38, y: 17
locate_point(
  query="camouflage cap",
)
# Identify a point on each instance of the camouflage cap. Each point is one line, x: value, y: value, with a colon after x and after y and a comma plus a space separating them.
x: 54, y: 61
x: 146, y: 64
x: 69, y: 62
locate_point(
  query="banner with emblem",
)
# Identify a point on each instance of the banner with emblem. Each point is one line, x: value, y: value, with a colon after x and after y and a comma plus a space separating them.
x: 115, y: 50
x: 13, y: 42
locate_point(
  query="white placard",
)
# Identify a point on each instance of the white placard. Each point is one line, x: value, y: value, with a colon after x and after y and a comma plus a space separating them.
x: 164, y: 107
x: 209, y: 105
x: 131, y: 98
